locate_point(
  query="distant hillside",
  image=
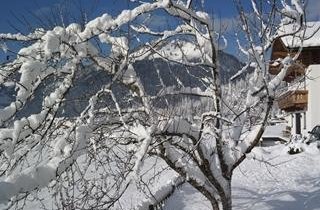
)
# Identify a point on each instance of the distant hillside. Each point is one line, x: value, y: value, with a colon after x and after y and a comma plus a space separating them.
x: 229, y: 66
x: 150, y: 71
x: 147, y: 70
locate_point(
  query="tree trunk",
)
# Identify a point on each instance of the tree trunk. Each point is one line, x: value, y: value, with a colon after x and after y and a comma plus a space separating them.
x: 226, y: 199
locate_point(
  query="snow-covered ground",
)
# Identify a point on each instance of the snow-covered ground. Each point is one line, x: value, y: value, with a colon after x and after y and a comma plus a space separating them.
x: 272, y: 179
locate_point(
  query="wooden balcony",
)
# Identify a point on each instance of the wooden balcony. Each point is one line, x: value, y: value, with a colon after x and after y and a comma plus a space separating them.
x: 297, y: 69
x: 295, y: 100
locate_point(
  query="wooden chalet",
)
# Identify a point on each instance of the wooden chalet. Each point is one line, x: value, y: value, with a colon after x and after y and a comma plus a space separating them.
x: 296, y: 100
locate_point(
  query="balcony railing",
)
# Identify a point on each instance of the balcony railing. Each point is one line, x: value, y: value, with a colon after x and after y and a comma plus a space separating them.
x: 293, y: 100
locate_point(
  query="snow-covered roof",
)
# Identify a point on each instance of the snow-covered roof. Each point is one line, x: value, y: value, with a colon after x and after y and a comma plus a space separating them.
x: 311, y: 35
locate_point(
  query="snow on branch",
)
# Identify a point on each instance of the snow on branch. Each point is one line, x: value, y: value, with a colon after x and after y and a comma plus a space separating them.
x: 124, y: 119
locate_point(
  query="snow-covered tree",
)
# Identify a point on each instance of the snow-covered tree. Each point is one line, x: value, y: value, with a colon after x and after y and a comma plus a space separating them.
x: 127, y: 127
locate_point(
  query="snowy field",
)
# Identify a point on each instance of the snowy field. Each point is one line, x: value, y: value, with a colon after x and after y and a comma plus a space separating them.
x: 271, y: 180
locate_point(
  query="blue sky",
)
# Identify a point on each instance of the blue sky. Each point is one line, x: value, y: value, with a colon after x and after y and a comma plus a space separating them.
x: 223, y: 10
x: 26, y: 8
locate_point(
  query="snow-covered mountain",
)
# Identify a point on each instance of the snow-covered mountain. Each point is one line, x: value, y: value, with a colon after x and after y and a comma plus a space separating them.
x: 147, y: 70
x: 153, y: 73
